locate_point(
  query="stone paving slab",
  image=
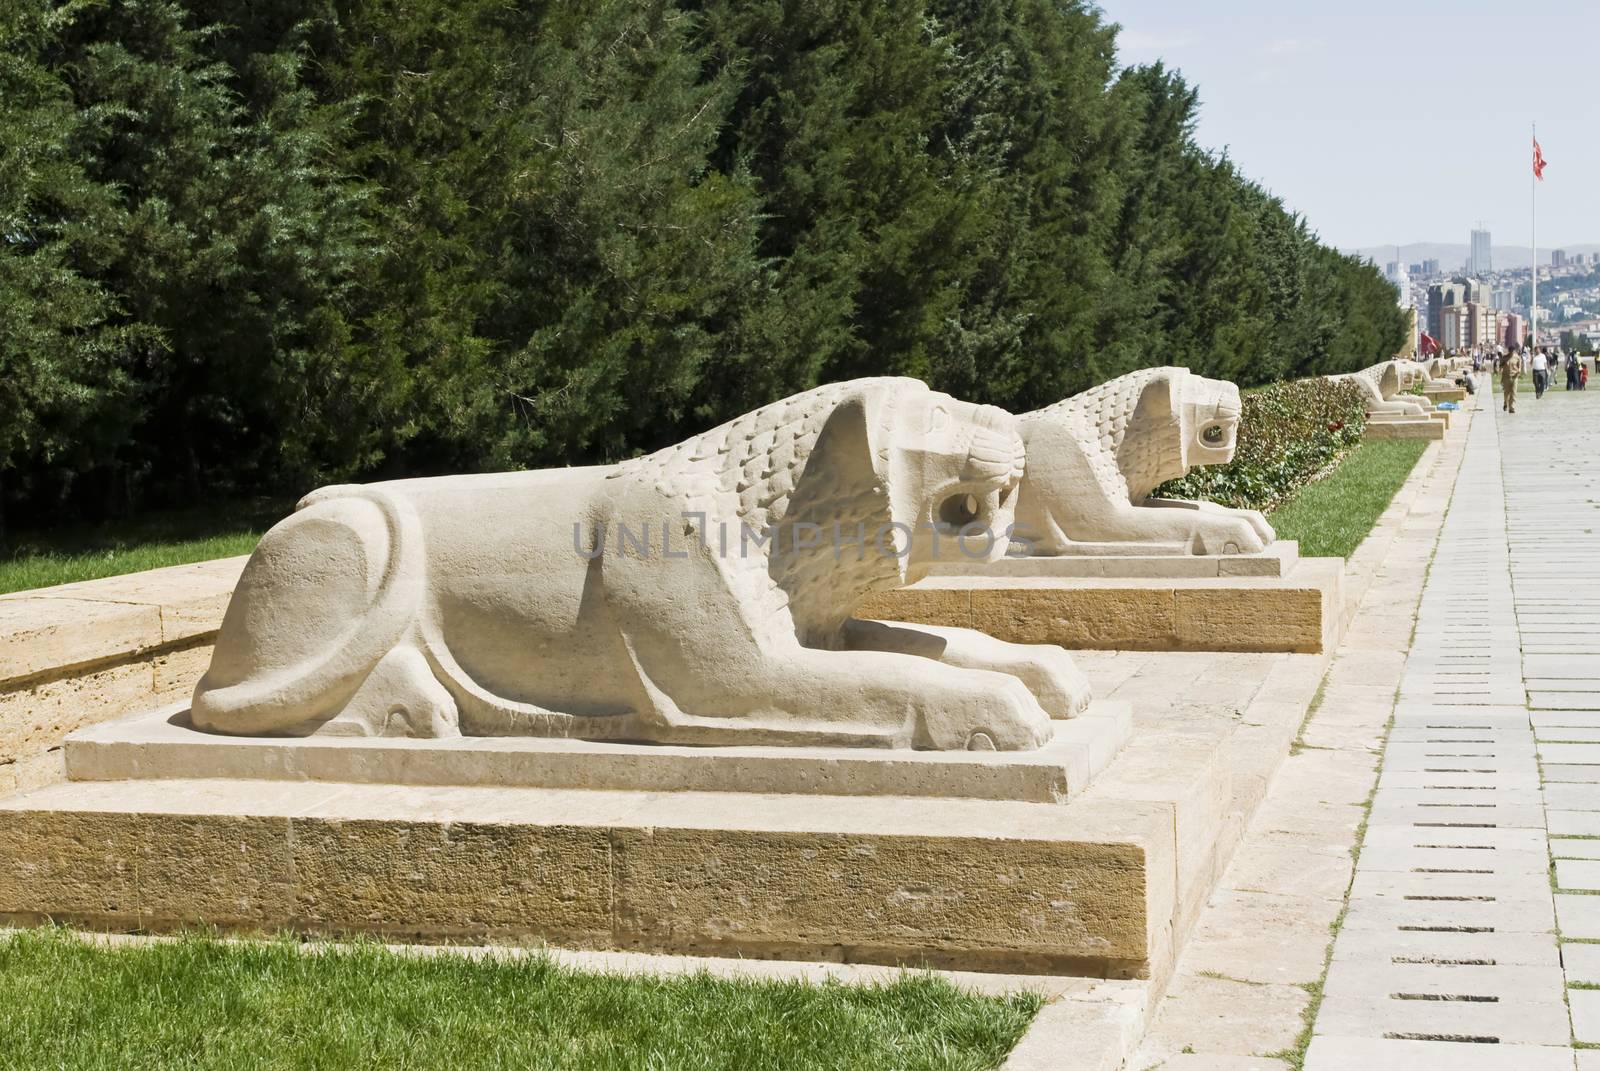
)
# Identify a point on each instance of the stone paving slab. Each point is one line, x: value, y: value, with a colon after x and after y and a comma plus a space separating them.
x: 1572, y: 773
x: 1509, y: 1023
x: 1571, y: 795
x: 1393, y: 946
x: 1582, y: 962
x: 1574, y: 823
x: 1332, y: 1053
x: 1585, y: 1005
x: 1472, y: 977
x: 1578, y: 915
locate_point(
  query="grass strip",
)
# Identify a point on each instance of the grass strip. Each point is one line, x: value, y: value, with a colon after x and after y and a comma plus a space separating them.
x: 1331, y: 517
x: 146, y: 541
x: 202, y: 1003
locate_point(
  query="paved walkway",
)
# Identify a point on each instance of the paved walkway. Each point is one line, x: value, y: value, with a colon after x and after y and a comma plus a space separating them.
x: 1245, y: 985
x: 1448, y: 956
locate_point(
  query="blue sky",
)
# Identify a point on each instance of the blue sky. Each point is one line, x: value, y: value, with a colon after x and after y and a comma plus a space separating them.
x: 1388, y: 123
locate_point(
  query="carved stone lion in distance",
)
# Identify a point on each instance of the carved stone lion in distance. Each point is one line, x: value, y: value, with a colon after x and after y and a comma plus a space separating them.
x: 1382, y: 384
x: 1094, y: 458
x: 702, y: 594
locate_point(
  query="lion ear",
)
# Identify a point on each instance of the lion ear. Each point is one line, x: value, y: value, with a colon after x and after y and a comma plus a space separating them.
x: 1158, y: 408
x: 1158, y: 402
x: 845, y: 470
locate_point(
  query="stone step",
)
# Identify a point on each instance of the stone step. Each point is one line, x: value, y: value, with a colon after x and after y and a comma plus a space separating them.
x: 162, y: 745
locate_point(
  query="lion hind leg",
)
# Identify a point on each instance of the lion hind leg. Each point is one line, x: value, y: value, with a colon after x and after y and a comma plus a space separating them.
x: 400, y: 697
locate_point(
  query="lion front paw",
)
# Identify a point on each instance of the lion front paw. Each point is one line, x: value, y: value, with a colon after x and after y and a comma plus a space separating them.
x: 1229, y: 535
x: 983, y: 711
x: 1051, y: 675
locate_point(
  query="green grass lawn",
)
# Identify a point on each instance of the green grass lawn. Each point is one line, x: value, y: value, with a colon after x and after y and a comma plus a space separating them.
x: 1331, y: 517
x: 201, y: 1003
x: 147, y: 541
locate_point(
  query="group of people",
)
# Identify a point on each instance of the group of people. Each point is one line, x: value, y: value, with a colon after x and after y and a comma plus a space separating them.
x: 1511, y: 365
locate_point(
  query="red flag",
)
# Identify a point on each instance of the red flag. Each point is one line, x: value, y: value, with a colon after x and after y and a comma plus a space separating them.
x: 1429, y: 344
x: 1538, y: 161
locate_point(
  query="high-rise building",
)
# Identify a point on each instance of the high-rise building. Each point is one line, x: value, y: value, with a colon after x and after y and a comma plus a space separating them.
x: 1430, y: 267
x: 1481, y: 261
x: 1396, y: 273
x: 1455, y: 330
x: 1516, y: 330
x: 1558, y: 259
x: 1503, y: 298
x: 1416, y: 269
x: 1470, y: 326
x: 1457, y: 291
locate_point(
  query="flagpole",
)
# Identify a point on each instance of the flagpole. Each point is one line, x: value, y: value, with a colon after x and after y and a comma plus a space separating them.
x: 1533, y: 198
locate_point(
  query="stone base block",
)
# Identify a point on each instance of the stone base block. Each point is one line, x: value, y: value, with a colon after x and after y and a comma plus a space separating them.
x: 1445, y: 394
x: 1379, y: 430
x: 1300, y: 612
x: 161, y: 745
x: 1134, y: 560
x: 788, y: 859
x: 1099, y: 885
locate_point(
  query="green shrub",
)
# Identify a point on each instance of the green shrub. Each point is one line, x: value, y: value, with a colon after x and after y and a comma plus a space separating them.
x: 1289, y: 435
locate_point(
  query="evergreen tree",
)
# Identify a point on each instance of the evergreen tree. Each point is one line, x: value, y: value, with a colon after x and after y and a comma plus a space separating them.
x: 249, y: 246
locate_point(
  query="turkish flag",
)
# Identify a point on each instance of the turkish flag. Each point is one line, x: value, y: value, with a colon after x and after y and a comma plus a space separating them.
x: 1429, y: 343
x: 1538, y: 161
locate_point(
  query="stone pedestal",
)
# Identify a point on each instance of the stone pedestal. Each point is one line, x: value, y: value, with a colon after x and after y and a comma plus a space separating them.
x: 1196, y: 603
x: 1445, y: 394
x: 1430, y: 427
x: 162, y: 745
x: 997, y: 861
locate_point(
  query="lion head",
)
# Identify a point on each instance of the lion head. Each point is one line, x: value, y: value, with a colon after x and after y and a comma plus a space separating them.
x: 863, y: 485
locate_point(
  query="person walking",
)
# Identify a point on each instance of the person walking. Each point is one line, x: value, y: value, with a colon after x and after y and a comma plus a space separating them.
x: 1510, y: 369
x: 1572, y: 371
x: 1541, y: 374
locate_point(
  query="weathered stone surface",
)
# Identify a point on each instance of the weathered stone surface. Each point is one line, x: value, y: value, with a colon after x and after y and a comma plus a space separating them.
x: 992, y: 885
x: 35, y: 718
x: 1299, y: 613
x: 47, y: 635
x: 1302, y: 612
x: 176, y: 673
x: 136, y: 869
x: 1076, y: 614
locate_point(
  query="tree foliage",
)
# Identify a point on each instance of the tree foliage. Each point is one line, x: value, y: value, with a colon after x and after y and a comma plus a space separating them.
x: 251, y: 246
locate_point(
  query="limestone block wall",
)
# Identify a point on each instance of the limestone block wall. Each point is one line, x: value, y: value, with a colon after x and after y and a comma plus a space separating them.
x: 78, y: 654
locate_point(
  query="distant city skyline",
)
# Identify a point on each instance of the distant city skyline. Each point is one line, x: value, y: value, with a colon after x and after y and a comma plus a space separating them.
x: 1360, y: 120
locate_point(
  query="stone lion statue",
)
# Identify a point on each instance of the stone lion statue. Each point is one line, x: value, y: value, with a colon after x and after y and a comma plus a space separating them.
x: 1094, y: 458
x: 702, y: 594
x: 1382, y: 384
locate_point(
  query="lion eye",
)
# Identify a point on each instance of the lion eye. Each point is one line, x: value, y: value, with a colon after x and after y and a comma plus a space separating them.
x: 958, y: 511
x: 1213, y: 435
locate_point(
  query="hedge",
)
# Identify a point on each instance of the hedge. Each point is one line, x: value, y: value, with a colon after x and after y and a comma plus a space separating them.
x: 1289, y: 435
